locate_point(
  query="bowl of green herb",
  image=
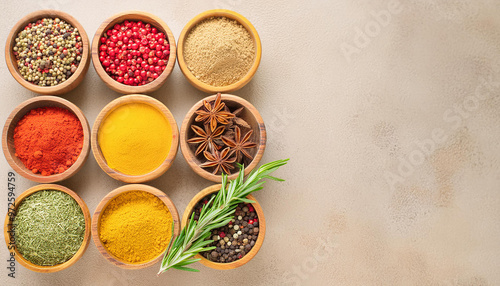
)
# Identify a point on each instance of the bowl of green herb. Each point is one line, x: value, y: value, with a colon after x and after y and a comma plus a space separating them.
x: 48, y: 228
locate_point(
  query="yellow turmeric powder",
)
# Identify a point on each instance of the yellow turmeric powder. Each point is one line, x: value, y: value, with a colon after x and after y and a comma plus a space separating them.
x: 136, y: 227
x: 135, y: 139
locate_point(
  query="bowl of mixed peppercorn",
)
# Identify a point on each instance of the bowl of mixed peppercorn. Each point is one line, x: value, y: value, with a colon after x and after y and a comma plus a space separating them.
x: 48, y: 52
x: 133, y: 52
x: 236, y: 243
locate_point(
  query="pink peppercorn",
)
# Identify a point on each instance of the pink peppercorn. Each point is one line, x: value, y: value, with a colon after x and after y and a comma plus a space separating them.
x: 134, y: 53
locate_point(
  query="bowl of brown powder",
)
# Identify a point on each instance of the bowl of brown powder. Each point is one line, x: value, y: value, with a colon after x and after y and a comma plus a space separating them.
x: 219, y: 51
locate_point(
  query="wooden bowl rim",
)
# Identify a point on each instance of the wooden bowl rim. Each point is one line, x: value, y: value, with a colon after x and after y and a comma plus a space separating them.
x: 96, y: 219
x: 110, y: 107
x: 86, y: 239
x: 19, y: 167
x: 81, y: 70
x: 258, y: 243
x: 189, y: 155
x: 219, y: 13
x: 133, y: 15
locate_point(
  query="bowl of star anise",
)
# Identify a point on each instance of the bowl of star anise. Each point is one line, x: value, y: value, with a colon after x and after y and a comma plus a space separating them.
x: 220, y: 133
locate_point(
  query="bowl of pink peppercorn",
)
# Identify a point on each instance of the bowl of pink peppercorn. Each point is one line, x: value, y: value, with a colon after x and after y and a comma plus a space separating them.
x: 133, y: 52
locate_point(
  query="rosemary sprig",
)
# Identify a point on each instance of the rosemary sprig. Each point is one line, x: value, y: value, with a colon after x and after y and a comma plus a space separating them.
x: 216, y: 213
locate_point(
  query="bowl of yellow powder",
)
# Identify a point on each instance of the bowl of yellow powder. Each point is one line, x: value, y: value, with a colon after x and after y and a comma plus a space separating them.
x: 132, y: 226
x: 135, y: 138
x: 219, y: 51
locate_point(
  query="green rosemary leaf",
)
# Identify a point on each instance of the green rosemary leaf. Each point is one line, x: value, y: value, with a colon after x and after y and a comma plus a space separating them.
x: 202, y: 243
x: 218, y: 212
x: 214, y: 226
x: 202, y: 249
x: 274, y: 178
x: 244, y: 200
x: 188, y: 261
x: 180, y: 238
x: 251, y: 189
x: 185, y: 268
x: 205, y: 207
x: 169, y: 244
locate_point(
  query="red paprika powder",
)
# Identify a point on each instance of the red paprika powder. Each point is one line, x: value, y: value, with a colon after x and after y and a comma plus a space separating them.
x: 48, y: 140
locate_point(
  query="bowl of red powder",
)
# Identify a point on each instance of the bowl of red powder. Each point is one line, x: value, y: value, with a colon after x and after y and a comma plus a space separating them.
x: 46, y: 139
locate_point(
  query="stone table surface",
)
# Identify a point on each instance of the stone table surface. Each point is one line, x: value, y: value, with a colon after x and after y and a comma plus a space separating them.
x: 389, y: 111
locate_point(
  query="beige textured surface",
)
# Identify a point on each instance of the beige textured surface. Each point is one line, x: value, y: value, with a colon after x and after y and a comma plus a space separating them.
x: 358, y: 182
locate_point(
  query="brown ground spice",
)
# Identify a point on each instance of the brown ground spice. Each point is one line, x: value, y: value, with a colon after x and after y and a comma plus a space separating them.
x: 219, y: 51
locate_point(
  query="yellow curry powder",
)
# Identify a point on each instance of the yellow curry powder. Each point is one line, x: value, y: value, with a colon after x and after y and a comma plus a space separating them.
x: 136, y: 227
x: 135, y: 139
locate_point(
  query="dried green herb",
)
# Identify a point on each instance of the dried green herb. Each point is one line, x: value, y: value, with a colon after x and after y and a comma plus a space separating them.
x: 49, y: 227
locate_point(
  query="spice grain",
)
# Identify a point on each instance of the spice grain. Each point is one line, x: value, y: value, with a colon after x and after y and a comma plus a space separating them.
x: 48, y: 51
x: 219, y: 51
x: 136, y: 227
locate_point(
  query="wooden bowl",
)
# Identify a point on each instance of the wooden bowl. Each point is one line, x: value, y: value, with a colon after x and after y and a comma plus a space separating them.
x: 250, y: 115
x: 219, y: 13
x: 8, y: 137
x: 61, y: 88
x: 8, y: 228
x: 96, y: 221
x: 134, y: 98
x: 135, y: 16
x: 260, y: 238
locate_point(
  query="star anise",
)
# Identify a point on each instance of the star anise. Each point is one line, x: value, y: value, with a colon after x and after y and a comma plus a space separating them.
x: 237, y: 120
x: 238, y: 111
x: 213, y: 113
x: 239, y: 145
x: 206, y: 138
x: 219, y: 160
